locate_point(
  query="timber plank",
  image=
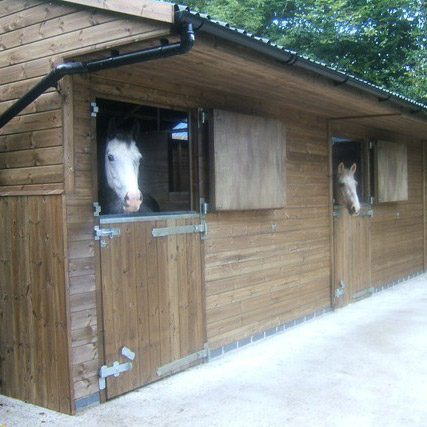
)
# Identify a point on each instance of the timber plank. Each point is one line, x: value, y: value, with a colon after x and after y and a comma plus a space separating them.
x: 163, y: 283
x: 32, y: 175
x: 145, y: 8
x: 31, y: 140
x: 153, y: 300
x: 141, y: 272
x: 36, y: 157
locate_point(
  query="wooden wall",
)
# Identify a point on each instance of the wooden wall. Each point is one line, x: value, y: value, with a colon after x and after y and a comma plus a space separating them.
x: 37, y: 164
x: 33, y: 321
x: 397, y: 228
x: 263, y: 267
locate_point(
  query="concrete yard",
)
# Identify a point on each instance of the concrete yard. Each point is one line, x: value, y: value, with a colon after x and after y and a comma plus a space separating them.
x: 364, y: 365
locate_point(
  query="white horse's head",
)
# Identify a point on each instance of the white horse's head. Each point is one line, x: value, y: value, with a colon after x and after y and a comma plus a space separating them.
x: 122, y: 159
x: 345, y: 186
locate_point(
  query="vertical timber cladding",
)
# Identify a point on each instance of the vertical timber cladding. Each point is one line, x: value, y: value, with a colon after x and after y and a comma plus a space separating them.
x: 33, y: 324
x: 152, y: 298
x: 352, y: 256
x: 266, y: 267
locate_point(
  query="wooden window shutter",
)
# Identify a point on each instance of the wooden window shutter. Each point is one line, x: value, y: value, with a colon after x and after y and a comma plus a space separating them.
x: 247, y: 162
x: 392, y: 172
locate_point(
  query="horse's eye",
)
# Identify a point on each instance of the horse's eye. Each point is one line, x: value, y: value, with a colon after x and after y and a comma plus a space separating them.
x: 342, y: 184
x: 111, y: 158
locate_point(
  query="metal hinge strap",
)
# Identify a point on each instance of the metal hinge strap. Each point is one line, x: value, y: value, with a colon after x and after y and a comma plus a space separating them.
x: 364, y: 293
x: 180, y: 229
x: 180, y: 363
x: 94, y: 109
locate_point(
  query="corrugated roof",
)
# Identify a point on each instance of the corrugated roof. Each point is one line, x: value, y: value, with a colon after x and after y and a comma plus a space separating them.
x: 288, y: 56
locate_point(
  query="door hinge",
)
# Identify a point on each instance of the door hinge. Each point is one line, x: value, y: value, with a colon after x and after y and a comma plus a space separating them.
x: 202, y: 117
x: 94, y: 109
x: 96, y: 209
x: 105, y: 232
x: 181, y: 229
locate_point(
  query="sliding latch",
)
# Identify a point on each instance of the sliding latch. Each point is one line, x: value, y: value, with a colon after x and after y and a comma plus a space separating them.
x: 339, y: 292
x: 101, y: 233
x: 117, y: 368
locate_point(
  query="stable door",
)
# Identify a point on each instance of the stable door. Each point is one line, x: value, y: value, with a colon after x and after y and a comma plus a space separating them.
x: 352, y: 256
x: 151, y: 274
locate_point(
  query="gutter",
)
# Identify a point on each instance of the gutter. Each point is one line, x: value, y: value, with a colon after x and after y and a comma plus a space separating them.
x: 70, y: 68
x: 287, y: 57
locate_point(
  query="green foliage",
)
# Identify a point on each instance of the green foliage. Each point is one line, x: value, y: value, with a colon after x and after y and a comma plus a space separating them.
x: 383, y: 41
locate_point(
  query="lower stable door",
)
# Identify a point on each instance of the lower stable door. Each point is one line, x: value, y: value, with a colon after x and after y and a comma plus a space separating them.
x: 151, y: 274
x: 352, y: 275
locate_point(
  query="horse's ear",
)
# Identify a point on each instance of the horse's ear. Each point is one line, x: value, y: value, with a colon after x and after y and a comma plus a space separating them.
x: 353, y: 168
x: 136, y: 130
x: 341, y: 167
x: 112, y: 128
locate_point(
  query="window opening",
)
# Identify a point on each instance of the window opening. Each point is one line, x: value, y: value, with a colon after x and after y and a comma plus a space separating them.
x: 162, y: 138
x: 349, y: 152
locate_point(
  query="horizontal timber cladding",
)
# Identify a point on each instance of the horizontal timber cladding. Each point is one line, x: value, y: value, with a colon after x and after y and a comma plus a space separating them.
x: 263, y: 267
x: 397, y: 239
x: 33, y: 322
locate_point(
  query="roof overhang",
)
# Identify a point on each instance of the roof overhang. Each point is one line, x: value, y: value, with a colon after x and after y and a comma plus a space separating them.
x: 159, y: 11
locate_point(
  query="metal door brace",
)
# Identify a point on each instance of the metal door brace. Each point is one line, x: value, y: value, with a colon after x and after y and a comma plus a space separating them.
x: 364, y: 293
x: 178, y: 364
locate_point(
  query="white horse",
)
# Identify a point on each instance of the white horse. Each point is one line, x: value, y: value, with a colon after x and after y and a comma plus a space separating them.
x: 121, y: 162
x: 345, y: 189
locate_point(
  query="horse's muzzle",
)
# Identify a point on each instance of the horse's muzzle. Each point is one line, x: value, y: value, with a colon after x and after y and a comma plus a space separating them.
x: 132, y: 202
x: 353, y: 210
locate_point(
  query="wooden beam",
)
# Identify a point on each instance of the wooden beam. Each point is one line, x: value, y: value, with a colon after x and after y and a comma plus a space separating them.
x: 143, y: 8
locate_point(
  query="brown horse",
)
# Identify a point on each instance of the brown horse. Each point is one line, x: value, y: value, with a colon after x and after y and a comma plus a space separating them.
x: 345, y: 189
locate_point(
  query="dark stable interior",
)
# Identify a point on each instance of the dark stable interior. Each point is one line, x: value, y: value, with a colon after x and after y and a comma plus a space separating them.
x: 164, y: 144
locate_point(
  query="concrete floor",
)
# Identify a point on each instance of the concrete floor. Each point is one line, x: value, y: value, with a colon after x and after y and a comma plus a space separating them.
x: 364, y: 365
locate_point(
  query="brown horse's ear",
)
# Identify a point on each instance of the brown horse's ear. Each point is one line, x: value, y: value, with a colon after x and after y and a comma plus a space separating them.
x: 112, y: 128
x: 353, y: 168
x: 341, y: 167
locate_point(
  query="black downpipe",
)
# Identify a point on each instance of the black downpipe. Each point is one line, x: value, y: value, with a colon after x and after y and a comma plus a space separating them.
x: 69, y: 68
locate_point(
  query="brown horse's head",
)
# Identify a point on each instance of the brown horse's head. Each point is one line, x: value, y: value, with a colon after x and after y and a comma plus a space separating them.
x: 345, y: 189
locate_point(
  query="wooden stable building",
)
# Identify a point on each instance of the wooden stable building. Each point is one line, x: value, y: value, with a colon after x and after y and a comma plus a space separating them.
x: 240, y: 142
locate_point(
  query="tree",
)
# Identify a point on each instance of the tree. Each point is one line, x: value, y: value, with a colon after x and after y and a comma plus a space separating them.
x: 382, y: 41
